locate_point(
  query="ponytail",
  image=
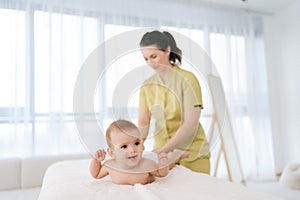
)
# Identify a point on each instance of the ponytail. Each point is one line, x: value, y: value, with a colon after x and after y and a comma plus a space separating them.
x: 176, y: 53
x: 163, y: 40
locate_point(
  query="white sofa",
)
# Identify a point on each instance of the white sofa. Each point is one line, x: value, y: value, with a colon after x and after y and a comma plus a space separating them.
x: 21, y: 178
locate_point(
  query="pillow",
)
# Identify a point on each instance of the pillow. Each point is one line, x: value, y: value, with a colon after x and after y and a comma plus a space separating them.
x: 290, y: 177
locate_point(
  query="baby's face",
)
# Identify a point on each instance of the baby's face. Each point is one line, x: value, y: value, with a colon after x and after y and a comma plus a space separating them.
x: 128, y: 147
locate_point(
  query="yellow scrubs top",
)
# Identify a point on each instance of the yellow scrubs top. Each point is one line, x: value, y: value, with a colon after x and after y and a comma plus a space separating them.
x: 167, y: 103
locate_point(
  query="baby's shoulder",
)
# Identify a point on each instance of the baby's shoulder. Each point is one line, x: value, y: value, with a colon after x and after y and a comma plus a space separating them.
x: 108, y: 161
x: 110, y: 164
x: 148, y: 164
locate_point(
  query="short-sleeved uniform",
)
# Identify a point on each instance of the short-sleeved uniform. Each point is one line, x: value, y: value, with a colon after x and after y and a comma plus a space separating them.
x: 167, y: 102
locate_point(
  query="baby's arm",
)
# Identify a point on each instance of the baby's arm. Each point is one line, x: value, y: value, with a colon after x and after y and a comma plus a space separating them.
x: 97, y: 170
x: 163, y: 165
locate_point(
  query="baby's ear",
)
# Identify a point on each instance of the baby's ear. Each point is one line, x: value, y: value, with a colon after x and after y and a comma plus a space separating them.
x: 110, y: 152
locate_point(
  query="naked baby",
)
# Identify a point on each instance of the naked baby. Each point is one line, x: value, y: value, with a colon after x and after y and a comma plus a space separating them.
x: 127, y: 166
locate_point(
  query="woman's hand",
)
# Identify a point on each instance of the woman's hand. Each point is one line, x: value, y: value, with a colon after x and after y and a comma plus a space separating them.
x: 185, y: 133
x: 159, y: 151
x: 162, y: 159
x: 163, y: 164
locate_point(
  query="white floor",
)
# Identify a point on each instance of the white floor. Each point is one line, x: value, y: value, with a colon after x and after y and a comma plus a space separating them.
x: 276, y: 189
x: 25, y: 194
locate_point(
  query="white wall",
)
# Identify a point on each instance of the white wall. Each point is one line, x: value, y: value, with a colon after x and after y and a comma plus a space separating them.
x: 282, y: 40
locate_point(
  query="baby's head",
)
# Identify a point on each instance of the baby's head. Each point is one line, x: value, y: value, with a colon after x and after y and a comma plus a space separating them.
x: 124, y: 142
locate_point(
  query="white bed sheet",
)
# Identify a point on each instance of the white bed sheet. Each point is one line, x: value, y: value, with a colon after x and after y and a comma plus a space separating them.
x: 71, y: 180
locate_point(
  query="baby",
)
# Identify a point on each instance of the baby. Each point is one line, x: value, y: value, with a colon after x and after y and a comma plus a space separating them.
x: 127, y: 165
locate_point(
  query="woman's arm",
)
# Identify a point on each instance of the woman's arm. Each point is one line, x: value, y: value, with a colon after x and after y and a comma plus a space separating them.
x: 144, y: 123
x: 185, y: 132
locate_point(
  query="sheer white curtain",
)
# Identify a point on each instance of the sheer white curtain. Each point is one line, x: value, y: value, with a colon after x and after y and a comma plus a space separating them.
x: 44, y: 43
x: 239, y: 56
x: 43, y: 48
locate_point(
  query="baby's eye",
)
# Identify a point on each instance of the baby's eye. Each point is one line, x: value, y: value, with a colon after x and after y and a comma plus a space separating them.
x: 124, y: 146
x: 137, y: 143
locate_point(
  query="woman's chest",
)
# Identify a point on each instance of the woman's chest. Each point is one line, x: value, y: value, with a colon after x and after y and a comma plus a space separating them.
x: 165, y: 100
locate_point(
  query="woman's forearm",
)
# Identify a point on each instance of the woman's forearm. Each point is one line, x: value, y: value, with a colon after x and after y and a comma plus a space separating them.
x: 144, y: 123
x: 185, y: 132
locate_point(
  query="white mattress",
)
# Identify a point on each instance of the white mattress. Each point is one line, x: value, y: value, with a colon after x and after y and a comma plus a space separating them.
x: 71, y: 180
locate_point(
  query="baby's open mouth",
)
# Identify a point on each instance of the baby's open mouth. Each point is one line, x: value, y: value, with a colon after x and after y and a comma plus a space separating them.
x: 132, y: 157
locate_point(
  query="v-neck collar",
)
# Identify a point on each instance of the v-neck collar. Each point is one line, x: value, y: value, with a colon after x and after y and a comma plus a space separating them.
x: 170, y: 75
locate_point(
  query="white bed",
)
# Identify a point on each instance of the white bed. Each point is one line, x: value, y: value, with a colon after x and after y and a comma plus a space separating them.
x: 71, y: 180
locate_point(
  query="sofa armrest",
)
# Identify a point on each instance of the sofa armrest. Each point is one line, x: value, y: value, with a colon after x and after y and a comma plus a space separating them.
x: 10, y: 169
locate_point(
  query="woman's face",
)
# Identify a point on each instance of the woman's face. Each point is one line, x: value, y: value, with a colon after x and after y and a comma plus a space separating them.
x: 155, y: 58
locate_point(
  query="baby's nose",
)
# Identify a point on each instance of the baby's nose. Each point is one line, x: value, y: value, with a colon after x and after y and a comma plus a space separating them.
x: 132, y: 148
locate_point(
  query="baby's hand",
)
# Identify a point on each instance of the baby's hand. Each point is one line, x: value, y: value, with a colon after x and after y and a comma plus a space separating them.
x: 162, y: 159
x: 100, y: 155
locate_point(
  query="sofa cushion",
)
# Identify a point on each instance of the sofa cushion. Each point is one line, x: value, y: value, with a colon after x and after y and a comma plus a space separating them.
x: 10, y: 169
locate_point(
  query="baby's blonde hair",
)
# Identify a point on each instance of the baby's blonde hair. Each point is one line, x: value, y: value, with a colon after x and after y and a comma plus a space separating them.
x: 121, y: 125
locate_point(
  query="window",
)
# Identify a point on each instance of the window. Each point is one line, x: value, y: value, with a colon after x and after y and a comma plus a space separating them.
x: 12, y: 71
x: 37, y: 95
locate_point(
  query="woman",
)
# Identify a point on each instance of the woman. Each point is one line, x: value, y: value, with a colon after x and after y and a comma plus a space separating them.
x: 173, y: 97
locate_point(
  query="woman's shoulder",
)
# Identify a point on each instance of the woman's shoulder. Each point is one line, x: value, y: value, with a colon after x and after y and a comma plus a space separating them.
x: 187, y: 75
x: 151, y: 79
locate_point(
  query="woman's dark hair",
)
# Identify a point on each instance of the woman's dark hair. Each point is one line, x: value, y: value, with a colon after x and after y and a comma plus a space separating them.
x: 162, y: 40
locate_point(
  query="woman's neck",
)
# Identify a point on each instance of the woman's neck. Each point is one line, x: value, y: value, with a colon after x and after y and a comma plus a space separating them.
x: 164, y: 74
